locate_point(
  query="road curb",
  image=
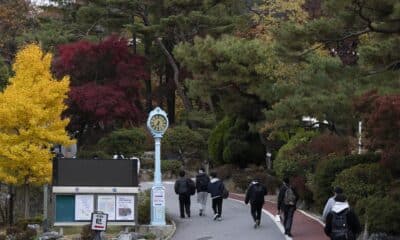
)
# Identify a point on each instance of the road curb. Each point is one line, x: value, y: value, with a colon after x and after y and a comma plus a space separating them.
x: 173, y: 230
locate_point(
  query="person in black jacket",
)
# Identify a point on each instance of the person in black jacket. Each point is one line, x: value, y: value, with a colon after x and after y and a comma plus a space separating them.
x: 183, y: 187
x: 287, y: 200
x: 342, y: 223
x: 255, y: 195
x: 216, y: 189
x: 202, y: 181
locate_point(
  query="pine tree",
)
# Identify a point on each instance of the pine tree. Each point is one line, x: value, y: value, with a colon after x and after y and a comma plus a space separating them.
x: 30, y: 120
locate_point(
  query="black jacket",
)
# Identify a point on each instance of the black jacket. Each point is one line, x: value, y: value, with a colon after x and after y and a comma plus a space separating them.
x: 216, y: 188
x: 202, y: 181
x: 281, y: 196
x: 183, y: 186
x: 252, y: 196
x: 352, y: 221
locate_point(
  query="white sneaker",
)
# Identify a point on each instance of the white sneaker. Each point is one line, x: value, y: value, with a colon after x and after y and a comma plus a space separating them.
x: 219, y: 219
x: 216, y: 216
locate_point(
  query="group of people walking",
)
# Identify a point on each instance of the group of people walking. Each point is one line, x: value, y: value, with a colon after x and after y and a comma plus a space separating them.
x: 341, y: 221
x: 185, y: 187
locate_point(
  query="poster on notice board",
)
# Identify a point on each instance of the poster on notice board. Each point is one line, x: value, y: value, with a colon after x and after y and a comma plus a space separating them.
x: 125, y: 208
x: 84, y: 206
x: 106, y: 204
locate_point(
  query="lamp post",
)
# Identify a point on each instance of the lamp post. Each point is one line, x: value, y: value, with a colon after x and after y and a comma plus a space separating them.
x: 157, y: 123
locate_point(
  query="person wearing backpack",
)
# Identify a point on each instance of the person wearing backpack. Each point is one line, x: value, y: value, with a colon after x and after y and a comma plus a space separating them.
x: 342, y: 223
x: 202, y: 181
x: 287, y: 200
x: 184, y: 187
x: 218, y: 192
x: 331, y: 201
x: 255, y: 195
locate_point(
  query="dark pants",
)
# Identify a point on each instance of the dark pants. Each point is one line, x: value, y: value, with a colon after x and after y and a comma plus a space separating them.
x: 288, y: 213
x: 217, y: 206
x: 184, y: 204
x: 256, y: 209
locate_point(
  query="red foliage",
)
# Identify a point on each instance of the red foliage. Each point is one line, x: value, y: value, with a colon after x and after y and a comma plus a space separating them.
x: 382, y: 119
x: 105, y: 81
x: 329, y: 143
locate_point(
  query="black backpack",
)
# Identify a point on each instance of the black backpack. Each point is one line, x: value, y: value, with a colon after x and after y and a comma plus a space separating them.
x: 202, y: 182
x: 259, y: 193
x: 340, y: 228
x: 191, y: 186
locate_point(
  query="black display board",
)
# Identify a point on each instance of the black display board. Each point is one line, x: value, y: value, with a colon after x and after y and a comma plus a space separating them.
x: 102, y: 173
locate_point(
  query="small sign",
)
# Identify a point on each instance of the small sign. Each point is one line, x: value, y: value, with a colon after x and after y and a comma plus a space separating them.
x: 158, y: 197
x: 99, y: 221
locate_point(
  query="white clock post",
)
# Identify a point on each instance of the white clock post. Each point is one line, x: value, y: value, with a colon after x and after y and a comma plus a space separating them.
x: 157, y: 123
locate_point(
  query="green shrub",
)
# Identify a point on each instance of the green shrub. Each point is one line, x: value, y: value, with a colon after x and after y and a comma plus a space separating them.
x: 185, y: 142
x: 88, y: 154
x: 363, y: 180
x: 327, y: 170
x: 172, y: 166
x: 288, y: 159
x: 383, y: 214
x: 216, y: 140
x: 128, y: 142
x: 243, y: 178
x: 144, y: 207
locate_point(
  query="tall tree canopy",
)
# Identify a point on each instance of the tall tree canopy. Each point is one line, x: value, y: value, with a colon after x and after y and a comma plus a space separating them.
x: 30, y: 119
x: 105, y: 83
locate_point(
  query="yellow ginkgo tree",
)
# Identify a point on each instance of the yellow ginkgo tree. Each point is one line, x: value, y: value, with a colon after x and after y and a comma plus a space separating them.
x: 30, y: 120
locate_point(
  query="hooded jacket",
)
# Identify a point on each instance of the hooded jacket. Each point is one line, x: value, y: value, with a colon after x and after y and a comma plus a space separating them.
x: 216, y: 188
x: 352, y: 220
x: 252, y: 196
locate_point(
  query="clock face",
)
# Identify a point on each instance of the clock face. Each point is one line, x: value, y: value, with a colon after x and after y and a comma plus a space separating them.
x: 158, y: 123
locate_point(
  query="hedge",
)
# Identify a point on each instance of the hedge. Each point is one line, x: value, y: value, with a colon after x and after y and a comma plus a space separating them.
x: 363, y: 180
x: 216, y: 140
x: 128, y: 142
x: 327, y: 170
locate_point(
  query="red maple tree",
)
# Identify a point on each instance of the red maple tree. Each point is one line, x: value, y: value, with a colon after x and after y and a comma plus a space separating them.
x: 105, y: 83
x: 381, y: 115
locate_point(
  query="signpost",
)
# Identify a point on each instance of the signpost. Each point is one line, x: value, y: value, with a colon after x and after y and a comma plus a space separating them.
x: 157, y: 123
x: 99, y: 223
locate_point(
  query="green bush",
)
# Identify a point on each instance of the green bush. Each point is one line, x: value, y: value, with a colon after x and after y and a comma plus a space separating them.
x: 90, y: 154
x: 173, y: 166
x: 327, y: 170
x: 144, y: 207
x: 383, y: 214
x: 363, y: 180
x: 216, y: 140
x: 243, y: 178
x: 185, y: 142
x: 287, y: 162
x: 128, y: 142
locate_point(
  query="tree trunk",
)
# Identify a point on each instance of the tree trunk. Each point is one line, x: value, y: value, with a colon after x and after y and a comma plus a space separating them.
x: 170, y: 93
x: 10, y: 205
x: 147, y: 47
x: 181, y: 92
x: 26, y: 201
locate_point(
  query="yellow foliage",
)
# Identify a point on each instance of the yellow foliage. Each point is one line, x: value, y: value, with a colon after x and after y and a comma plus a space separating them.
x: 30, y: 119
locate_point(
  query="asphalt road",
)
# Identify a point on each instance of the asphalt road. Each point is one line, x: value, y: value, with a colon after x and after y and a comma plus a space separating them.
x: 236, y: 223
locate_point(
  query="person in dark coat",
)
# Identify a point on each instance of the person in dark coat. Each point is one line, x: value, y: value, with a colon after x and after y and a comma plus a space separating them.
x: 287, y: 200
x: 342, y: 223
x: 255, y: 195
x: 202, y: 181
x: 183, y: 188
x: 216, y: 189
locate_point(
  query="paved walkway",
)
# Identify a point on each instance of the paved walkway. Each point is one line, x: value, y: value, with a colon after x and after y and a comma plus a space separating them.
x: 236, y: 224
x: 304, y: 227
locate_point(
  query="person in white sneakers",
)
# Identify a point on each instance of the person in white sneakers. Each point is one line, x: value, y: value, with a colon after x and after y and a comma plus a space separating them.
x: 216, y: 188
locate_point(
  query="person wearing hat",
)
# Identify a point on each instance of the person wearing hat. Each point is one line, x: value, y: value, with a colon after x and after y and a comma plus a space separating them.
x: 331, y: 201
x: 341, y: 222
